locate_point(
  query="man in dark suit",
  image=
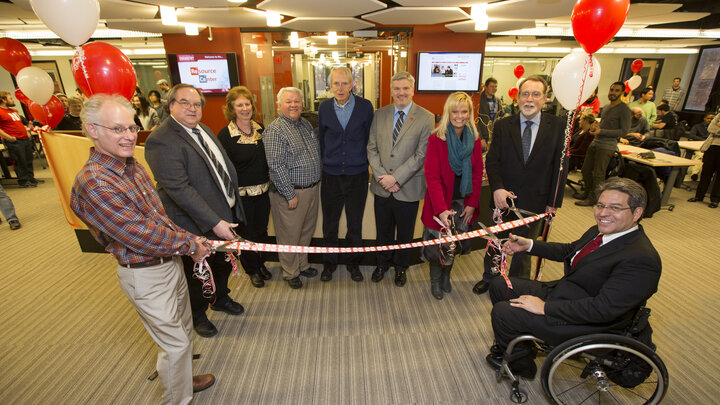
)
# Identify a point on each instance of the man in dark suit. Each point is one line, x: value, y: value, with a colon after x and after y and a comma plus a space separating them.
x: 199, y: 193
x: 344, y: 128
x: 610, y: 272
x: 523, y: 164
x: 396, y: 151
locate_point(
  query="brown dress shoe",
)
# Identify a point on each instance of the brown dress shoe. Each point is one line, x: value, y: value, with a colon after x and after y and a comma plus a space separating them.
x: 202, y: 382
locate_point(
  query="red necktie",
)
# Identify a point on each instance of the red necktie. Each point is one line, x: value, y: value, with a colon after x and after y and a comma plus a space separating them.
x: 594, y: 244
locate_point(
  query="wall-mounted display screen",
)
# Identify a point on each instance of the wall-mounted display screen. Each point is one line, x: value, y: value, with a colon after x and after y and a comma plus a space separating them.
x: 704, y: 81
x: 446, y: 71
x: 213, y: 73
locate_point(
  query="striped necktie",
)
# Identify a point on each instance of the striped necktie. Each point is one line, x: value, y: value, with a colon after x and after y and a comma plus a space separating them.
x: 398, y: 125
x: 224, y: 177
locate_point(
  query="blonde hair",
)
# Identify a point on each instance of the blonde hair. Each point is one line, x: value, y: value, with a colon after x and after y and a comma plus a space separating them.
x: 453, y: 101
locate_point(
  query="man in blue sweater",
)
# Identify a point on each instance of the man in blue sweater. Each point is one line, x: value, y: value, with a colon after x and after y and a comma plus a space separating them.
x: 344, y: 127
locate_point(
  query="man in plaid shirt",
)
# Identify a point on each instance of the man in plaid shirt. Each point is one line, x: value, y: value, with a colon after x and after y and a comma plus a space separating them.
x: 115, y: 197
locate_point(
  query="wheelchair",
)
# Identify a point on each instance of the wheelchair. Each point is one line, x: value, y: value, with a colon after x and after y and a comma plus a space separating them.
x: 597, y: 368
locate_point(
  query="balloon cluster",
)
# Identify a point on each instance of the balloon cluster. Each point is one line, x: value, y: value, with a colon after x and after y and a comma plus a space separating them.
x: 633, y: 82
x: 518, y: 72
x: 97, y: 67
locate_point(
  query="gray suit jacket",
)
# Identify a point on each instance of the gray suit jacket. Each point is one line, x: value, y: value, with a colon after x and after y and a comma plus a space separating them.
x: 189, y: 189
x: 404, y: 160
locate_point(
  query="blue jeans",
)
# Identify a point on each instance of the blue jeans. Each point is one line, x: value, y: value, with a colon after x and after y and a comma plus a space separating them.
x: 7, y: 208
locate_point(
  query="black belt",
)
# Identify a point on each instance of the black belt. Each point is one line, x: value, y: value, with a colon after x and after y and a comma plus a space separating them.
x: 304, y: 187
x: 148, y: 263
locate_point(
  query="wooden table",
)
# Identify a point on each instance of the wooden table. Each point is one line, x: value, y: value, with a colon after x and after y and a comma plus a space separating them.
x: 661, y: 160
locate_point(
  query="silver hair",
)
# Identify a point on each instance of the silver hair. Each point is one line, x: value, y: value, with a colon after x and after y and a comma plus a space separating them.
x: 91, y: 109
x: 403, y: 76
x: 290, y: 89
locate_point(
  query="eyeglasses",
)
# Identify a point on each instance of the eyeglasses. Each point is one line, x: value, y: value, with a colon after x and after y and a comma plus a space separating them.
x: 186, y: 104
x: 121, y: 130
x: 527, y: 94
x: 613, y: 208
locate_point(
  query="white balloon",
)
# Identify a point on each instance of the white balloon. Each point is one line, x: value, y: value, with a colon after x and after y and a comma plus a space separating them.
x: 567, y: 78
x: 634, y: 82
x: 517, y: 84
x: 72, y: 20
x: 36, y: 84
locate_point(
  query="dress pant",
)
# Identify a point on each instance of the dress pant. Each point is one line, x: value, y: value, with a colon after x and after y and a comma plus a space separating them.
x: 160, y: 296
x: 395, y: 223
x: 595, y: 167
x: 257, y: 214
x: 710, y: 167
x: 521, y: 262
x: 509, y: 322
x: 6, y: 207
x: 21, y: 152
x: 295, y: 227
x: 336, y: 192
x: 221, y: 270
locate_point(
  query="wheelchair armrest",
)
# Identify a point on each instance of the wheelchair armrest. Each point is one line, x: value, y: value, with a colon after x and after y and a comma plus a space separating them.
x: 640, y: 321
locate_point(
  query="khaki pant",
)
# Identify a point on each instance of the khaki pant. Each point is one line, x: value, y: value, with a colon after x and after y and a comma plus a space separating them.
x: 160, y: 296
x: 295, y: 227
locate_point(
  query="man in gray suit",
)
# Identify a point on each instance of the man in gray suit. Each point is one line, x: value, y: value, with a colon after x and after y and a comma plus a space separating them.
x: 396, y: 150
x: 198, y: 188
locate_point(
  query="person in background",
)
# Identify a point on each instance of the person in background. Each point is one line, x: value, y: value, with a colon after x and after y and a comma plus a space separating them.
x: 71, y: 121
x: 710, y: 166
x: 63, y: 99
x: 396, y: 152
x: 489, y: 110
x: 157, y: 104
x: 581, y: 140
x: 17, y: 140
x: 592, y: 103
x: 648, y: 107
x: 242, y: 140
x: 148, y: 116
x: 79, y: 93
x: 639, y: 128
x: 665, y: 122
x: 293, y: 154
x: 343, y: 131
x: 164, y: 88
x: 674, y: 94
x: 8, y: 210
x: 699, y: 132
x: 453, y: 173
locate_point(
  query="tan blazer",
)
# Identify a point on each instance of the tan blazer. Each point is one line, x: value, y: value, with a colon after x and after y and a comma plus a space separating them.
x: 404, y: 160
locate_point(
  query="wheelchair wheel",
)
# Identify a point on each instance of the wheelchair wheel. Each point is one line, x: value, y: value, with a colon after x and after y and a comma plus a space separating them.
x: 604, y: 368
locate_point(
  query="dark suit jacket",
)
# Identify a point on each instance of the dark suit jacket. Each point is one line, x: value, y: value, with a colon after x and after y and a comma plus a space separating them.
x: 607, y: 285
x: 484, y: 115
x: 189, y: 189
x: 533, y: 182
x: 344, y: 151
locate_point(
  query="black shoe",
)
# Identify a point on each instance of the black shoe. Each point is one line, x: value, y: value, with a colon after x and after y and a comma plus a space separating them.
x: 585, y: 203
x: 295, y: 283
x: 378, y: 274
x: 355, y: 273
x: 309, y: 272
x: 264, y: 273
x: 229, y: 306
x: 400, y: 277
x: 525, y: 368
x: 693, y: 199
x: 436, y: 291
x: 496, y: 350
x: 445, y: 282
x: 713, y: 205
x: 693, y: 177
x: 328, y: 270
x: 27, y: 185
x: 579, y: 196
x: 205, y: 328
x: 257, y: 281
x: 36, y: 181
x: 481, y: 287
x: 14, y: 225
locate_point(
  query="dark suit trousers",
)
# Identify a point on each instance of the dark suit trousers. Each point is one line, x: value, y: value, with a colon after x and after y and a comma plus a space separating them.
x: 257, y: 214
x: 711, y: 166
x: 510, y: 322
x: 221, y: 272
x: 21, y: 152
x: 521, y: 263
x: 392, y: 215
x: 336, y: 192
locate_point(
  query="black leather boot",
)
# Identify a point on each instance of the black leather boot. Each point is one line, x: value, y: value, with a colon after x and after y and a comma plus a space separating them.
x: 436, y: 281
x: 445, y: 281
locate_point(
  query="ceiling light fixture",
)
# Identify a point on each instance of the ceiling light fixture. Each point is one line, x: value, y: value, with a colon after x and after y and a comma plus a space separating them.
x: 191, y: 29
x: 294, y: 40
x: 478, y: 13
x: 332, y: 38
x: 168, y: 15
x: 273, y: 19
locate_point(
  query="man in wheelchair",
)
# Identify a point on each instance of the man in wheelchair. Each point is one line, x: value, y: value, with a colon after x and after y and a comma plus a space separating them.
x: 609, y: 273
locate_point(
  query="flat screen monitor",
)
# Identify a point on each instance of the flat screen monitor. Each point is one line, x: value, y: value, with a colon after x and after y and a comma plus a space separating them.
x: 449, y: 71
x: 212, y: 73
x: 704, y: 80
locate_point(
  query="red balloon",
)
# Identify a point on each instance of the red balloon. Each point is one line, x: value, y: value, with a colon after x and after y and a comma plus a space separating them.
x: 99, y: 67
x: 519, y: 71
x: 49, y: 114
x: 595, y: 22
x: 627, y: 87
x: 513, y: 93
x: 637, y: 65
x: 13, y: 55
x: 21, y: 97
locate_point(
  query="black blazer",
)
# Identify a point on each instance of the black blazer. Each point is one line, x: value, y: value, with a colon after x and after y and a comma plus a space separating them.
x: 188, y: 187
x: 607, y: 285
x: 533, y: 182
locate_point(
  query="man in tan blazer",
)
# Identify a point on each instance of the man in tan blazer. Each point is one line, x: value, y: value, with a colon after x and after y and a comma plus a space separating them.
x: 396, y: 152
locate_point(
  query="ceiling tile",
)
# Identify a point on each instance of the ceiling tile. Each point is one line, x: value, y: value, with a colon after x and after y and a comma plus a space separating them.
x: 639, y: 10
x: 667, y: 18
x: 155, y: 26
x: 416, y: 15
x: 23, y: 4
x: 125, y: 10
x: 323, y: 24
x: 223, y: 17
x: 11, y: 12
x: 494, y: 25
x: 322, y: 8
x: 446, y: 3
x: 188, y: 3
x: 537, y: 9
